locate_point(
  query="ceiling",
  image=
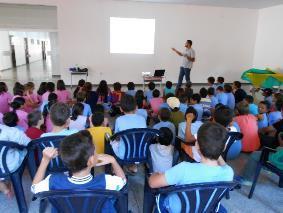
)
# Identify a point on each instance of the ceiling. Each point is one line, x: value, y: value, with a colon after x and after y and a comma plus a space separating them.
x: 251, y: 4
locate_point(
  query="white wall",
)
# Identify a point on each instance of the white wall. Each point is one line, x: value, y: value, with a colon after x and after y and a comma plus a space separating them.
x: 54, y: 53
x: 28, y: 17
x: 269, y: 41
x: 5, y: 54
x: 224, y: 39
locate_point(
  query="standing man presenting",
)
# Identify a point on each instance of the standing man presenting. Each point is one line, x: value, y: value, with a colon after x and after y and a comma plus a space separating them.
x: 187, y: 64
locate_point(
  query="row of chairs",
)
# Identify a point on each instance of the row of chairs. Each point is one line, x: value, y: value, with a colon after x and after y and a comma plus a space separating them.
x: 137, y: 143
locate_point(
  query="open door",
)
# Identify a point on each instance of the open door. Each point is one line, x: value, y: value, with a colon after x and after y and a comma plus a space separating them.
x: 13, y: 54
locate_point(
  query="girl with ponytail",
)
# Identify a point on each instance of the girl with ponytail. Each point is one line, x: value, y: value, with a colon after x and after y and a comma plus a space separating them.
x: 78, y: 121
x: 17, y: 106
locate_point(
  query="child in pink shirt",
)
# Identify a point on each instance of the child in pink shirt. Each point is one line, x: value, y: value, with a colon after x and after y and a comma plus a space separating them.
x: 50, y: 87
x: 64, y: 95
x: 52, y: 99
x: 41, y: 90
x: 17, y: 106
x: 30, y: 98
x: 156, y: 102
x: 248, y: 126
x: 5, y: 98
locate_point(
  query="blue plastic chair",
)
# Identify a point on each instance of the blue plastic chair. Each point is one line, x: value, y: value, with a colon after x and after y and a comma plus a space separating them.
x: 55, y: 165
x: 16, y: 176
x: 137, y: 143
x: 232, y: 149
x: 86, y: 201
x: 264, y: 162
x: 196, y: 198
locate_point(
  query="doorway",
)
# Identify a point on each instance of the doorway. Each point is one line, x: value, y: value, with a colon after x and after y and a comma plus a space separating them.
x: 13, y: 53
x: 26, y: 50
x: 43, y: 47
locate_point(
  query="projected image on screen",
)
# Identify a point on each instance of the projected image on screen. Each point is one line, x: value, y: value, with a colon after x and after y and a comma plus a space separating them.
x: 132, y: 35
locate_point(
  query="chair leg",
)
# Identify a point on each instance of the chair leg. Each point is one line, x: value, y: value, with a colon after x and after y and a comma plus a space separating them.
x: 16, y: 179
x: 148, y: 198
x: 258, y: 168
x: 280, y: 181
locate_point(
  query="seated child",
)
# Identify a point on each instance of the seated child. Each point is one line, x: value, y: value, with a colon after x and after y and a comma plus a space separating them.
x: 14, y: 157
x: 267, y: 93
x: 60, y: 118
x: 11, y: 119
x: 239, y: 93
x: 117, y: 93
x: 81, y: 97
x: 148, y: 94
x: 162, y: 151
x: 188, y: 90
x: 211, y: 96
x: 131, y: 89
x: 128, y: 121
x: 249, y: 128
x: 79, y: 87
x: 50, y: 88
x: 78, y: 121
x: 165, y: 105
x: 91, y: 97
x: 211, y: 82
x: 52, y: 99
x: 31, y: 99
x: 17, y: 106
x: 5, y: 98
x: 176, y: 115
x: 64, y: 95
x: 168, y: 88
x: 104, y: 94
x: 195, y: 101
x: 212, y: 167
x: 263, y: 108
x: 35, y: 121
x: 183, y: 103
x: 155, y: 102
x: 221, y: 96
x: 98, y: 130
x: 78, y: 154
x: 231, y: 98
x: 253, y: 109
x: 41, y: 90
x: 164, y: 116
x: 141, y: 104
x: 275, y: 116
x: 205, y: 101
x: 220, y: 81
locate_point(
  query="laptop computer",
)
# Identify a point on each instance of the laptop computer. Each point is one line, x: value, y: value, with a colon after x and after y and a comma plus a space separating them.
x: 159, y: 73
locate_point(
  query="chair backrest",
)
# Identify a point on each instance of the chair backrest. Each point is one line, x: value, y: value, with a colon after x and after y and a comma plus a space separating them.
x: 5, y: 146
x: 87, y: 201
x: 232, y: 138
x: 204, y: 197
x: 55, y: 165
x: 137, y: 143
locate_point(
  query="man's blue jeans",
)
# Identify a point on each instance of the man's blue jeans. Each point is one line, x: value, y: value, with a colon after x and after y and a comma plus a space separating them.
x: 184, y: 72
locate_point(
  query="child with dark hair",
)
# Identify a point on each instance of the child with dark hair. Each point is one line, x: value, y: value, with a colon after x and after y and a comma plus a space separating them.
x: 5, y: 98
x: 17, y: 106
x: 117, y: 93
x: 263, y: 109
x: 162, y: 152
x: 129, y: 120
x: 211, y: 96
x: 78, y: 121
x: 77, y: 152
x: 11, y: 119
x: 267, y: 93
x: 155, y: 102
x: 164, y: 116
x: 141, y: 104
x: 98, y: 129
x: 205, y: 101
x: 220, y: 81
x: 248, y: 126
x: 239, y: 93
x: 18, y: 90
x: 168, y: 88
x: 276, y: 115
x: 195, y: 102
x: 221, y: 96
x: 91, y: 97
x: 176, y: 115
x: 188, y: 90
x: 50, y: 88
x: 131, y: 89
x: 211, y: 82
x: 183, y: 103
x: 212, y: 168
x: 253, y: 108
x: 79, y: 87
x: 104, y: 94
x: 64, y: 95
x: 81, y: 97
x: 148, y: 94
x: 41, y: 90
x: 231, y: 98
x: 35, y: 121
x: 52, y: 99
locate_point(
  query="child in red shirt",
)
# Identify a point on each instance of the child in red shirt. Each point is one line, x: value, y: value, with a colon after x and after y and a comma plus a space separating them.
x: 35, y: 120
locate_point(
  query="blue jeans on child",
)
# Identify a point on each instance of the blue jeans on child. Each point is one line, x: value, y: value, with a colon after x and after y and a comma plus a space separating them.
x: 183, y: 72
